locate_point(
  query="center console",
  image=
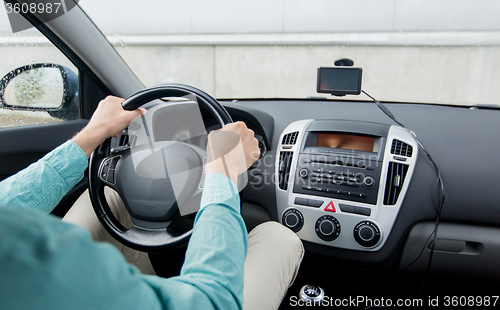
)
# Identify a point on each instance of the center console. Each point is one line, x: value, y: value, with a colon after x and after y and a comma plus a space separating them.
x: 341, y: 183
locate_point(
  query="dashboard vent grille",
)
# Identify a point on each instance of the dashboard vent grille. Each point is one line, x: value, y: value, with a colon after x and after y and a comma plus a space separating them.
x: 127, y: 140
x: 284, y: 169
x: 395, y: 178
x: 290, y: 138
x: 134, y: 126
x: 401, y: 148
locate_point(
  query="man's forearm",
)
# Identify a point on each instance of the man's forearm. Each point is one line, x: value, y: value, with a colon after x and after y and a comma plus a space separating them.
x: 42, y: 185
x: 216, y: 253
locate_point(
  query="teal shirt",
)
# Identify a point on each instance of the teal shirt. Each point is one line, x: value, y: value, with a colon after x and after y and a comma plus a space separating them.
x: 49, y: 264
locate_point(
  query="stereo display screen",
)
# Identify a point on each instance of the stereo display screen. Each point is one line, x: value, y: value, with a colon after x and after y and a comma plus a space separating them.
x: 343, y: 141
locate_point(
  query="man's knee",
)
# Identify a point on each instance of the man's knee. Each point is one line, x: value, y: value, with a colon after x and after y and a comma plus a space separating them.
x: 275, y: 234
x: 276, y: 242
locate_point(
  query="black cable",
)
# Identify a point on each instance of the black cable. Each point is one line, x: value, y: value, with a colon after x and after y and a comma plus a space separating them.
x: 437, y: 192
x: 421, y: 252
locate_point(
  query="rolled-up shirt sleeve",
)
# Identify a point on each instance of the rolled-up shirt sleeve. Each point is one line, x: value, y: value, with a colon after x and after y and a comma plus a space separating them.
x: 212, y: 274
x: 49, y: 264
x: 43, y: 184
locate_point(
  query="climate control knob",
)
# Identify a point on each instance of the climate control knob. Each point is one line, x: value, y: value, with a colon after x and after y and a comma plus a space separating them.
x: 293, y: 219
x: 327, y: 228
x: 367, y: 234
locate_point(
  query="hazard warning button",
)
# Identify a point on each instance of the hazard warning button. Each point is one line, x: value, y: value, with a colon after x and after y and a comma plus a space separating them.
x: 330, y: 207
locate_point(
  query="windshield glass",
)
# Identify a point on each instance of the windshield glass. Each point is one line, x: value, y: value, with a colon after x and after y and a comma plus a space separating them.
x: 445, y: 52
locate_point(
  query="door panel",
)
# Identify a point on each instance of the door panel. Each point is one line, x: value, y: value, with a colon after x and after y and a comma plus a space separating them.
x: 21, y: 146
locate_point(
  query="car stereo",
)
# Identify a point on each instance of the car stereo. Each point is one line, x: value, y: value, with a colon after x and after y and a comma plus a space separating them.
x: 341, y: 183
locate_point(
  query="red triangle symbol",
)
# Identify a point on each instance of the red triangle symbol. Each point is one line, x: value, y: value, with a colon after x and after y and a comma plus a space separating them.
x: 330, y: 207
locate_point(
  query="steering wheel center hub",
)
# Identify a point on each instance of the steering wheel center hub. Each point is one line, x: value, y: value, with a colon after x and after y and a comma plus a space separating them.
x: 156, y: 180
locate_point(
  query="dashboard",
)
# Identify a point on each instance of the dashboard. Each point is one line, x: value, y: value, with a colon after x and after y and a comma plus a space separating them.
x: 324, y: 153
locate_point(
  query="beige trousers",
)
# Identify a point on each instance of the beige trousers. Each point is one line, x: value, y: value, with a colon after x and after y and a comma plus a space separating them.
x: 273, y: 259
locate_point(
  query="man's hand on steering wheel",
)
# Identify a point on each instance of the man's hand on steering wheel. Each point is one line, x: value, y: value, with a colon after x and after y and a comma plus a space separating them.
x: 108, y: 120
x: 159, y: 181
x: 231, y: 150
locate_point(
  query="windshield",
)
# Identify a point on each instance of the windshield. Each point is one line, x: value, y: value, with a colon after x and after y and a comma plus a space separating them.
x: 445, y: 52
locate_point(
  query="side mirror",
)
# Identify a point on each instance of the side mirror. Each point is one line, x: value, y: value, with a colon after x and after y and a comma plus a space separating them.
x: 41, y: 87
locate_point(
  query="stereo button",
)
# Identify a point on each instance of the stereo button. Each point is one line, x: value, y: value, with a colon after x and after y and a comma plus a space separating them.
x: 300, y: 201
x: 346, y: 208
x: 368, y: 181
x: 314, y: 203
x: 362, y: 211
x: 303, y: 173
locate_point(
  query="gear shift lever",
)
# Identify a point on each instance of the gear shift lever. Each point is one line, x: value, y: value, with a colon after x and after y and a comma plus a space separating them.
x: 312, y: 294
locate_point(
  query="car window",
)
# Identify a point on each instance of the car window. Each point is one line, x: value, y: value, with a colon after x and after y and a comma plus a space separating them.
x: 39, y: 85
x: 411, y: 51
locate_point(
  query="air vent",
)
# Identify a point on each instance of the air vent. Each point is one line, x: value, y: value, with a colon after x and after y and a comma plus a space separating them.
x: 127, y: 140
x: 284, y: 169
x: 134, y: 126
x: 395, y: 178
x: 401, y: 148
x: 290, y: 138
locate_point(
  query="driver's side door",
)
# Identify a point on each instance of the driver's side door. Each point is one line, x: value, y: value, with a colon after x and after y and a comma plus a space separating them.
x: 45, y: 100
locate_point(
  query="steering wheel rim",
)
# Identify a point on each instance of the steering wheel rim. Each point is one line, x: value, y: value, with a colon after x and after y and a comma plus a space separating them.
x: 148, y: 239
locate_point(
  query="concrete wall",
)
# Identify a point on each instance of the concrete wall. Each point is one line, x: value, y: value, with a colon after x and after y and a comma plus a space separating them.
x: 453, y: 75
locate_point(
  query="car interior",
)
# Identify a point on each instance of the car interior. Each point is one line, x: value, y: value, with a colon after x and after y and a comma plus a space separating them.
x: 390, y: 198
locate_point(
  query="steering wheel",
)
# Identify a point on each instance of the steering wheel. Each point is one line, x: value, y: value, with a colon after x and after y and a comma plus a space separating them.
x: 154, y: 179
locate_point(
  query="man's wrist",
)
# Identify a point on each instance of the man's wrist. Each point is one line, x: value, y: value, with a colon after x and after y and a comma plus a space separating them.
x: 218, y: 166
x: 88, y: 139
